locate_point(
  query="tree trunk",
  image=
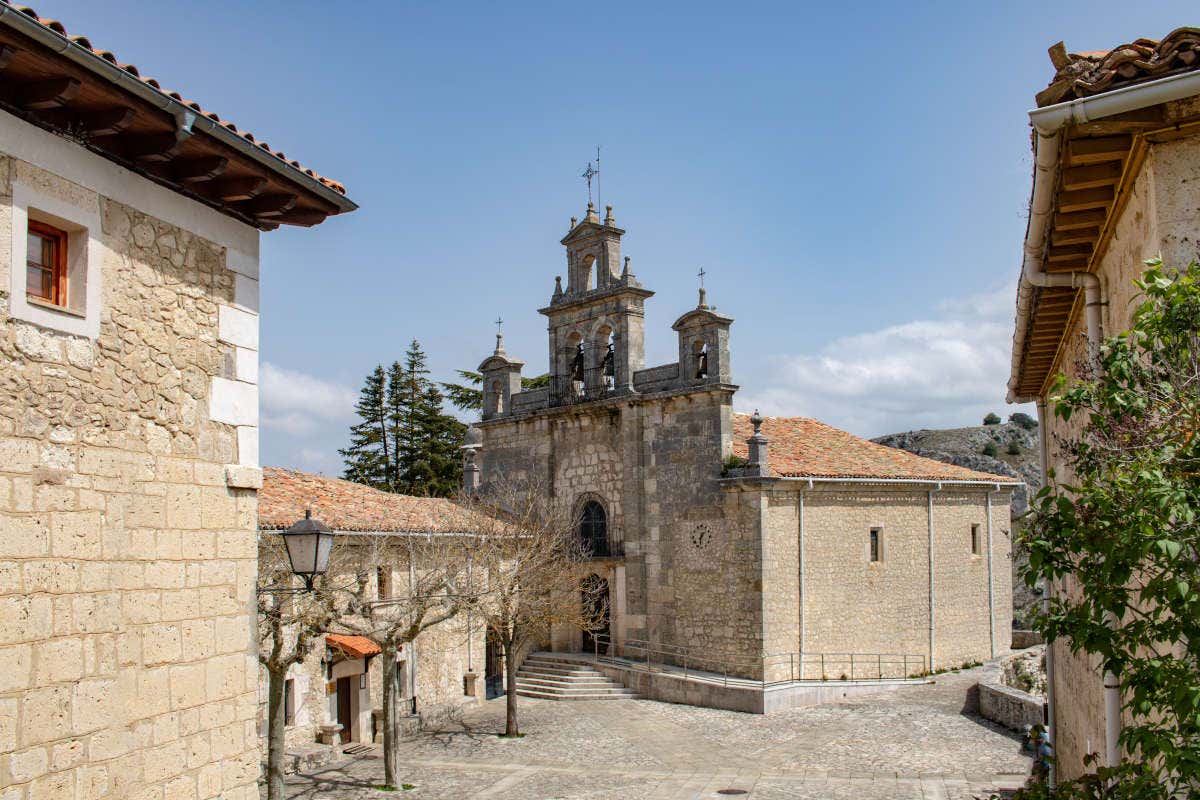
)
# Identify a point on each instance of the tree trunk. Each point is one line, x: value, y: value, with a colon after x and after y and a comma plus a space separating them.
x: 276, y: 723
x: 510, y: 698
x: 390, y: 765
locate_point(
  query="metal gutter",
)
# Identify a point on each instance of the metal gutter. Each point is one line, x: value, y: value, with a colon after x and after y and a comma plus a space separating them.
x: 902, y: 481
x: 184, y: 114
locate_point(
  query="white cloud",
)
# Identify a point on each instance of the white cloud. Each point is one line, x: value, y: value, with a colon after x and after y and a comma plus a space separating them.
x: 947, y: 371
x: 300, y: 404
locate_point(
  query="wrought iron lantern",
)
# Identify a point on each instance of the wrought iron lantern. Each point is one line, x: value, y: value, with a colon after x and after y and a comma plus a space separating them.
x: 308, y: 543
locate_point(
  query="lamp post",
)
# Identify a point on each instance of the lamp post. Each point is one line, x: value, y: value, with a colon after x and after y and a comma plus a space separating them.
x: 308, y: 542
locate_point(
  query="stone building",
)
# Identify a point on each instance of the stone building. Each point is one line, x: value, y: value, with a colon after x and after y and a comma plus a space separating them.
x: 129, y: 246
x: 773, y: 551
x: 341, y: 683
x: 1117, y: 180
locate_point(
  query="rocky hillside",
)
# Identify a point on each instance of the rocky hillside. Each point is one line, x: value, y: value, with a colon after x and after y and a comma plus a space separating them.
x: 1006, y: 448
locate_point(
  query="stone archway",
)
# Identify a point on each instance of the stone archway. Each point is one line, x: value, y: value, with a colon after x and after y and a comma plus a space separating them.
x: 596, y: 602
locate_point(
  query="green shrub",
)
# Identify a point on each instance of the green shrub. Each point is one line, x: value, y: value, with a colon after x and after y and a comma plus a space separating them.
x: 1023, y: 420
x: 989, y: 449
x: 991, y: 419
x: 1014, y: 449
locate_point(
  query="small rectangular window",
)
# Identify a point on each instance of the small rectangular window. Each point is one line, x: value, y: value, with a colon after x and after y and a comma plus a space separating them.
x: 876, y: 544
x: 46, y: 264
x: 383, y: 580
x: 289, y: 702
x: 975, y: 540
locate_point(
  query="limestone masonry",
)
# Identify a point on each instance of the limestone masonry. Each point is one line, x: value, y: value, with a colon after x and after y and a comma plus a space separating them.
x: 772, y: 548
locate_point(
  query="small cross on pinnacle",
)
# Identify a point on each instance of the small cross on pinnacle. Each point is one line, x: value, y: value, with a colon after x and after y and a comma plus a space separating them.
x: 499, y: 322
x: 701, y: 275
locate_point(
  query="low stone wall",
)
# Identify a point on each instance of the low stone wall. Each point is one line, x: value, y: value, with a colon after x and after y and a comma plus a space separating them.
x: 1009, y: 707
x: 672, y: 687
x: 1024, y: 639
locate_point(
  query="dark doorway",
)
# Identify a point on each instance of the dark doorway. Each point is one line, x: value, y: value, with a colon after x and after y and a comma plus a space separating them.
x: 493, y: 668
x: 343, y: 708
x: 593, y: 594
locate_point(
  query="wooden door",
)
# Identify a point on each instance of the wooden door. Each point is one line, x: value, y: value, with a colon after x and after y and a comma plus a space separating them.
x: 344, y: 687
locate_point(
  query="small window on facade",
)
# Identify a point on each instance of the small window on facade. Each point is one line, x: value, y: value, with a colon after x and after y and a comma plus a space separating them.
x: 46, y: 264
x: 289, y: 702
x: 383, y: 579
x: 975, y: 540
x: 876, y: 544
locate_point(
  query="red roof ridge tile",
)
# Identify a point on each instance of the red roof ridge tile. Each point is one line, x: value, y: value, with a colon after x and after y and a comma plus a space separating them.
x: 1094, y: 72
x: 85, y: 43
x: 801, y: 447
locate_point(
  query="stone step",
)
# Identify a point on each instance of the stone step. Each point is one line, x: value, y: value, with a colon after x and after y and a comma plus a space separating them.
x: 569, y: 673
x: 554, y: 680
x: 535, y: 683
x: 626, y: 695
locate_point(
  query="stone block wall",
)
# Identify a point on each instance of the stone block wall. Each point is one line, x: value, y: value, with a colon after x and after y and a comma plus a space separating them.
x: 127, y: 560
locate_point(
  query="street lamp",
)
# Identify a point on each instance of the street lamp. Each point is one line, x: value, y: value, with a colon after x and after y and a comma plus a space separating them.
x: 308, y: 543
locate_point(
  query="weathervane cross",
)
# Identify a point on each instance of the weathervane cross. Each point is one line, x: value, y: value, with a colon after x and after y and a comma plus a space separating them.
x: 587, y: 175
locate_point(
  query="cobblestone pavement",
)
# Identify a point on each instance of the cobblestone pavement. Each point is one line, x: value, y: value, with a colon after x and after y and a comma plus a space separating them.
x: 913, y: 743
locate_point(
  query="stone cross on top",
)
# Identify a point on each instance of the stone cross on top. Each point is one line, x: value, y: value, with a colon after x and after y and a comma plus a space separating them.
x: 703, y: 295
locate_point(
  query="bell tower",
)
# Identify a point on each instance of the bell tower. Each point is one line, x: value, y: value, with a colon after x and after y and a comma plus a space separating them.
x: 597, y: 323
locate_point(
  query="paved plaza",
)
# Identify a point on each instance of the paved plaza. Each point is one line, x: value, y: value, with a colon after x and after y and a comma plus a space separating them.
x: 910, y: 743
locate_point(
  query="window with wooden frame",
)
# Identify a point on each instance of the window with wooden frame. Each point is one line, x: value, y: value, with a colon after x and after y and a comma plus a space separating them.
x: 46, y: 264
x: 289, y: 702
x: 876, y: 545
x: 974, y: 540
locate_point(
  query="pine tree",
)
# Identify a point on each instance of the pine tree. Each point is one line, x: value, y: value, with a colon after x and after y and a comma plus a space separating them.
x: 469, y: 397
x: 370, y: 457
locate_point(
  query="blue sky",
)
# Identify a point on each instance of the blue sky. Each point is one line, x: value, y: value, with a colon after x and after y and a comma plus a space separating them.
x: 852, y: 177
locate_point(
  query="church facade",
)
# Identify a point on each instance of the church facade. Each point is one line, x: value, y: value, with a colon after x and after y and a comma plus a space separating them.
x: 770, y: 548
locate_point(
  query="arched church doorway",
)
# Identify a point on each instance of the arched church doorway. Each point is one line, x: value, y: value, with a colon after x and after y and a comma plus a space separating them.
x: 595, y: 600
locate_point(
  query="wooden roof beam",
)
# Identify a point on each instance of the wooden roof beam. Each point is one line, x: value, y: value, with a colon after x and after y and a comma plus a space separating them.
x: 1080, y: 219
x: 7, y: 51
x: 1075, y: 236
x: 233, y: 189
x: 1084, y: 199
x: 50, y: 93
x: 1091, y: 175
x: 197, y: 170
x: 106, y: 122
x: 1098, y: 149
x: 269, y: 205
x: 303, y: 216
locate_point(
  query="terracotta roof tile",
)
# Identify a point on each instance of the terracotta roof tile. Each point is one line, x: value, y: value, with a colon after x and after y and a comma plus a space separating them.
x: 1083, y: 74
x: 353, y: 646
x: 86, y: 43
x: 346, y: 506
x: 805, y: 448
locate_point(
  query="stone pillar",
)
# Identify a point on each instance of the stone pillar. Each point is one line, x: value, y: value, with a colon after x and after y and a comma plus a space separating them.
x: 759, y: 460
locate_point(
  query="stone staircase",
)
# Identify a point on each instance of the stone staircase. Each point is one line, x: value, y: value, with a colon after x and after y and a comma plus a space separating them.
x: 551, y: 676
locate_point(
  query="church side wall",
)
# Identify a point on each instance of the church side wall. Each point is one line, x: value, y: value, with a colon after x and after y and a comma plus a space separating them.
x: 855, y: 605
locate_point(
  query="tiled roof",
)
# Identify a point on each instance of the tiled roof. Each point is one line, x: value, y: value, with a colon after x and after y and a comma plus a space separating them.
x: 346, y: 506
x: 353, y: 646
x: 1083, y: 74
x: 805, y: 448
x: 85, y: 43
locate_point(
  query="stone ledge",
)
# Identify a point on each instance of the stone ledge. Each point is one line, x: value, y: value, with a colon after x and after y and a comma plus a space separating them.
x: 1009, y: 707
x: 240, y: 477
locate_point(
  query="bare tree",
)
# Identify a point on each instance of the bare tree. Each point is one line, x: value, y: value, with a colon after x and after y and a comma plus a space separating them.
x: 526, y: 545
x: 429, y: 584
x: 290, y: 625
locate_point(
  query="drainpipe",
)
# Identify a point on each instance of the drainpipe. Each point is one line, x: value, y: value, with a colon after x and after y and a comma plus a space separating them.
x: 1050, y: 693
x: 991, y: 581
x: 932, y: 663
x: 803, y: 641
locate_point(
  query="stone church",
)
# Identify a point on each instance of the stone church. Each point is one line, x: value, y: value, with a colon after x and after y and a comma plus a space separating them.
x: 770, y: 548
